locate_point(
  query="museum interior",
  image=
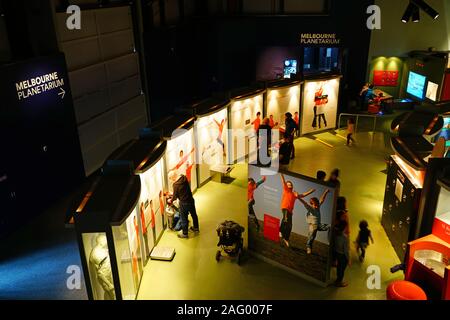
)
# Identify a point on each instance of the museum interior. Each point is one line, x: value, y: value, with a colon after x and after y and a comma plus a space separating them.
x: 225, y: 149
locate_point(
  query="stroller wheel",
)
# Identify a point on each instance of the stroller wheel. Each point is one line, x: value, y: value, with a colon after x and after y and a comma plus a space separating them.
x: 218, y: 255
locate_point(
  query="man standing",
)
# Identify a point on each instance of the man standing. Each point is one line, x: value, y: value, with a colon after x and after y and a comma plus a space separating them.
x: 182, y: 192
x: 289, y: 130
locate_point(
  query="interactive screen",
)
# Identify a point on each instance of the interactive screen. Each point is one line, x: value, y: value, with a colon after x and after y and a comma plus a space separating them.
x: 432, y: 91
x: 290, y: 68
x: 416, y: 85
x: 291, y: 226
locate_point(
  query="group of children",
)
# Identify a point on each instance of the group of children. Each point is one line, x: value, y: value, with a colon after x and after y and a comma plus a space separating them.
x: 341, y: 241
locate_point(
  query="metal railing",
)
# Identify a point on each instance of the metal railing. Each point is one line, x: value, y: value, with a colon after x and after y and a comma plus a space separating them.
x: 357, y: 116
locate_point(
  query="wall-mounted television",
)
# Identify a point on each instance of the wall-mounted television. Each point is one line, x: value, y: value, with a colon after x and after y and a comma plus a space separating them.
x: 290, y: 68
x: 416, y: 85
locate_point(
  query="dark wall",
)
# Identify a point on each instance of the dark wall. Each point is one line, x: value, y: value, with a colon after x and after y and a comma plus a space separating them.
x: 225, y: 48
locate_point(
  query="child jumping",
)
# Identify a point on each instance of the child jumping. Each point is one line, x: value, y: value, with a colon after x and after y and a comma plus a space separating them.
x: 362, y: 241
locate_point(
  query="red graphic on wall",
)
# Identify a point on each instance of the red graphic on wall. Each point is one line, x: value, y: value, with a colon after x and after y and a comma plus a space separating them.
x: 271, y: 228
x: 385, y: 78
x: 441, y: 229
x: 446, y: 89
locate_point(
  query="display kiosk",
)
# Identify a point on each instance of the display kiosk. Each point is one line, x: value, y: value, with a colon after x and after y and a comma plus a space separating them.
x: 211, y: 135
x: 319, y: 103
x: 178, y: 132
x: 109, y: 235
x: 282, y: 96
x: 428, y: 260
x: 245, y: 104
x: 407, y: 172
x: 146, y: 157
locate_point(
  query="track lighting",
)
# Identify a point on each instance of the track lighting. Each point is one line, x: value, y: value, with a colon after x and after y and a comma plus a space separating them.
x: 425, y: 7
x: 408, y: 12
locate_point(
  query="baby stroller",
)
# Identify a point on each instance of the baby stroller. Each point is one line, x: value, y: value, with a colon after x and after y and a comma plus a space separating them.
x: 230, y: 240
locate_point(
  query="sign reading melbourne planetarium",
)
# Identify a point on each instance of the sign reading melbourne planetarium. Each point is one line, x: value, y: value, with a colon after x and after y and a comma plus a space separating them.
x: 319, y: 39
x: 38, y: 85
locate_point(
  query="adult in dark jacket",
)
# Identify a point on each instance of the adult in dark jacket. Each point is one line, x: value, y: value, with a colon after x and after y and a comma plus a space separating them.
x: 289, y: 131
x: 182, y: 192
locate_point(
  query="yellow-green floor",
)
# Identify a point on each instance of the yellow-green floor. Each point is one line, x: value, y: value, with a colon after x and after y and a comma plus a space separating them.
x: 195, y: 274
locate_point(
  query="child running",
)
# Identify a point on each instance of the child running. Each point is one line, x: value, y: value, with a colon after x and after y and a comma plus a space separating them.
x: 362, y: 241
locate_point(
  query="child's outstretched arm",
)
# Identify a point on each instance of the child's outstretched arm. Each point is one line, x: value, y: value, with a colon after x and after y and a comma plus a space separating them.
x: 307, y: 193
x: 324, y: 196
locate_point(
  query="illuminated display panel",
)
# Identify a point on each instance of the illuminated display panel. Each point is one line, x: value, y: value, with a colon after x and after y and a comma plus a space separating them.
x: 319, y: 108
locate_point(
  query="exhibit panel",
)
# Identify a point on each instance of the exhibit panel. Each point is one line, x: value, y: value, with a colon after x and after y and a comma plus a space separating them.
x: 282, y: 99
x: 212, y: 142
x: 127, y: 243
x: 320, y: 105
x: 152, y: 205
x: 291, y: 226
x: 180, y: 156
x: 401, y: 203
x: 243, y: 121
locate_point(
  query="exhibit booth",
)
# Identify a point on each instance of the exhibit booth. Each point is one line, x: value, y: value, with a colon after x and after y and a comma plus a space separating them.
x: 178, y: 131
x: 282, y: 96
x: 307, y: 249
x: 320, y: 100
x: 146, y: 158
x: 245, y: 104
x: 211, y: 138
x: 109, y: 235
x: 428, y: 263
x: 410, y: 170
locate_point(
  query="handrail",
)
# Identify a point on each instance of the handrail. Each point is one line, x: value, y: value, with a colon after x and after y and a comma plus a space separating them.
x: 357, y: 115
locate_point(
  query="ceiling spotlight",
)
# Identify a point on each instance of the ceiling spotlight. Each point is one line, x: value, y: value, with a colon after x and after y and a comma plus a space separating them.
x: 408, y: 13
x: 416, y: 14
x: 425, y: 7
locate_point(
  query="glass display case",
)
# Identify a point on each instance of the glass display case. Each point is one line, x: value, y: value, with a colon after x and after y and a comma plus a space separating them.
x: 96, y: 253
x: 110, y: 236
x: 146, y: 158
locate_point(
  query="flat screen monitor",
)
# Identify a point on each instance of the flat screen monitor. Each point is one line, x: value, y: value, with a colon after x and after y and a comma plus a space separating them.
x: 290, y: 68
x: 416, y: 85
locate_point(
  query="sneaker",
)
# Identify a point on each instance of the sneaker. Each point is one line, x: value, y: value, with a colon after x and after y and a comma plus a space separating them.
x: 196, y: 230
x: 308, y: 251
x: 181, y: 235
